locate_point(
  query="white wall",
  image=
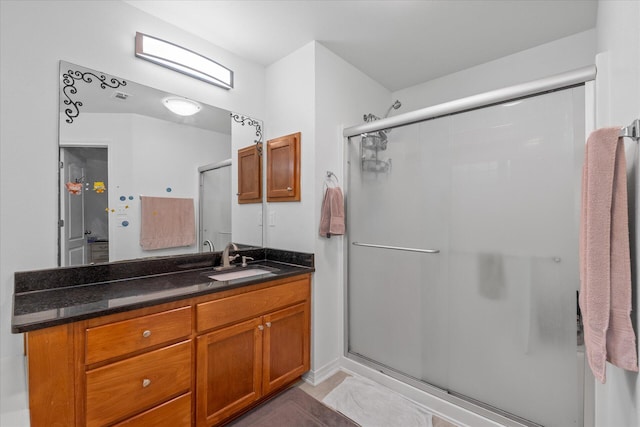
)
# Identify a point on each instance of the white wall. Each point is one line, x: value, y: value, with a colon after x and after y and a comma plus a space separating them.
x: 290, y: 102
x: 315, y: 92
x: 618, y: 104
x: 246, y: 226
x: 343, y: 95
x: 541, y: 61
x: 34, y: 36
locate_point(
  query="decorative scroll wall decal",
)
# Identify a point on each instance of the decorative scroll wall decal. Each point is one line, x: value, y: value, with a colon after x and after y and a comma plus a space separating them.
x: 251, y: 122
x: 69, y: 80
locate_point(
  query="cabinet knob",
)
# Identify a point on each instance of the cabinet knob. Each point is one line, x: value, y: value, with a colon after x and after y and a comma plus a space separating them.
x: 260, y: 327
x: 146, y: 382
x: 146, y: 334
x: 268, y: 324
x: 289, y: 189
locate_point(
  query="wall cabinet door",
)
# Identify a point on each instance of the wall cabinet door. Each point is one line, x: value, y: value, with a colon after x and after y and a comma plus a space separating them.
x: 286, y: 346
x: 283, y: 169
x: 250, y: 174
x: 229, y: 371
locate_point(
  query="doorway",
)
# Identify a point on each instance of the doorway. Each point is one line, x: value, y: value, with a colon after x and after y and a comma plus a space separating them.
x: 84, y: 214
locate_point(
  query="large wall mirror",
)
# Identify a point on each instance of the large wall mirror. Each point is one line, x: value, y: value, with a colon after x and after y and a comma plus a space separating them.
x: 119, y: 145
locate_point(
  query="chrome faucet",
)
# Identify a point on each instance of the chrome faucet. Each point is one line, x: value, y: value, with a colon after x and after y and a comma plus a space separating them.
x: 226, y: 258
x: 208, y: 242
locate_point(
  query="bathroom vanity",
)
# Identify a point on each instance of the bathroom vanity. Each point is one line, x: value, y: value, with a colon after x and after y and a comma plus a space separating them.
x: 169, y: 345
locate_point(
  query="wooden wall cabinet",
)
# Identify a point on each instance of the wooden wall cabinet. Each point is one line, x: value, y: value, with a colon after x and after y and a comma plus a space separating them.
x: 198, y: 362
x: 283, y: 169
x: 250, y: 174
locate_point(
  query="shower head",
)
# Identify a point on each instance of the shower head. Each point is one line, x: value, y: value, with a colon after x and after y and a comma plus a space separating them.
x: 394, y: 106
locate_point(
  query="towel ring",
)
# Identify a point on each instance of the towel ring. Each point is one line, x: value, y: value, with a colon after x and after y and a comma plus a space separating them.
x: 331, y: 180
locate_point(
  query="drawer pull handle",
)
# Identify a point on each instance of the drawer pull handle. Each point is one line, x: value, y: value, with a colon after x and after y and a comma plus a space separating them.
x: 146, y: 333
x: 260, y: 327
x: 268, y: 324
x: 289, y: 189
x: 146, y: 382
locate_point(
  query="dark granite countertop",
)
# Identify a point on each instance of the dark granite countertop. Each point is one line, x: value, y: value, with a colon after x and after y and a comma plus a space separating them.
x: 45, y: 298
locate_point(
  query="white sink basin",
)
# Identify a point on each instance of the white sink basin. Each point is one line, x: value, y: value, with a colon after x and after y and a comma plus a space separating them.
x: 239, y: 274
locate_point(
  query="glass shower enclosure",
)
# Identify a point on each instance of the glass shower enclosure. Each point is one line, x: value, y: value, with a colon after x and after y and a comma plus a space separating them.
x: 463, y: 255
x: 215, y: 206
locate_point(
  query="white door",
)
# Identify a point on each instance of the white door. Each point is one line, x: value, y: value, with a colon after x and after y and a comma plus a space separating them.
x: 72, y: 238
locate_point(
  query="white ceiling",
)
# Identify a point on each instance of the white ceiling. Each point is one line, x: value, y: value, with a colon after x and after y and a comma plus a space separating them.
x: 397, y: 43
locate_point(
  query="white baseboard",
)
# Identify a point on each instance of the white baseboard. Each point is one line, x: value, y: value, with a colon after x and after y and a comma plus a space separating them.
x: 316, y: 376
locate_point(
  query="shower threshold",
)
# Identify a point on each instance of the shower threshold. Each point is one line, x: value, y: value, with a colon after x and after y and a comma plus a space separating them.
x: 479, y: 408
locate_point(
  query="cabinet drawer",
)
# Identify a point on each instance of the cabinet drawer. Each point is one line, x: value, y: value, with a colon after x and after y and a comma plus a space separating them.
x: 99, y: 246
x: 132, y: 385
x: 174, y: 413
x: 224, y: 311
x: 120, y: 338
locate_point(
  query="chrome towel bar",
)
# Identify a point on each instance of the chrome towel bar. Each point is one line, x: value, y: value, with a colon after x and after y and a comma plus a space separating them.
x: 398, y: 248
x: 632, y: 131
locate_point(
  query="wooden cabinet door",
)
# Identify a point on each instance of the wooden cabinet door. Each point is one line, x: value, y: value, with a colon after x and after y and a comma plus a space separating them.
x: 229, y: 371
x: 286, y: 346
x: 283, y: 169
x: 249, y: 175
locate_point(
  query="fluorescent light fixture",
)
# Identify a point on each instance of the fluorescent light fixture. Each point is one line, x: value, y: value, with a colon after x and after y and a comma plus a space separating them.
x: 183, y: 60
x: 181, y: 106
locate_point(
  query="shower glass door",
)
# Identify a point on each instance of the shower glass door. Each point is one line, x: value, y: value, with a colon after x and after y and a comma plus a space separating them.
x: 215, y: 206
x: 491, y: 317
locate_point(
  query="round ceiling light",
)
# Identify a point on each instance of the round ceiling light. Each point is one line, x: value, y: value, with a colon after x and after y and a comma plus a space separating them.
x: 181, y: 106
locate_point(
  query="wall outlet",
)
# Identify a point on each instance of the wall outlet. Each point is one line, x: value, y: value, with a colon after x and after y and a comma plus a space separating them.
x: 272, y: 219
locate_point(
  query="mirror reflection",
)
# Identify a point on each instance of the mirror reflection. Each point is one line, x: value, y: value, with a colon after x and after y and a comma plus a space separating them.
x: 132, y: 170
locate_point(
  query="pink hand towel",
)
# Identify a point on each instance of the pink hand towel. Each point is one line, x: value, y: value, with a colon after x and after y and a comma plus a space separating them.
x: 332, y: 213
x: 166, y: 223
x: 605, y: 266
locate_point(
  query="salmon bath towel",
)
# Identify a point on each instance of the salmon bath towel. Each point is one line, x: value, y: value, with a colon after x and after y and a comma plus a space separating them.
x: 166, y: 223
x: 332, y: 213
x: 605, y: 265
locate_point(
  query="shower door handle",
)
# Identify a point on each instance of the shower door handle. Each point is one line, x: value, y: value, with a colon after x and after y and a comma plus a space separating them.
x: 397, y: 248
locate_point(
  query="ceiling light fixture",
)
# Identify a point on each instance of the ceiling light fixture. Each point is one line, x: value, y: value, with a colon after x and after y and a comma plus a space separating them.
x: 183, y: 60
x: 181, y: 106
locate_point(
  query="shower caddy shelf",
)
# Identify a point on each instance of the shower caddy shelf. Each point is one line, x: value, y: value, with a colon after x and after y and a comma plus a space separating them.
x: 374, y: 142
x: 370, y: 145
